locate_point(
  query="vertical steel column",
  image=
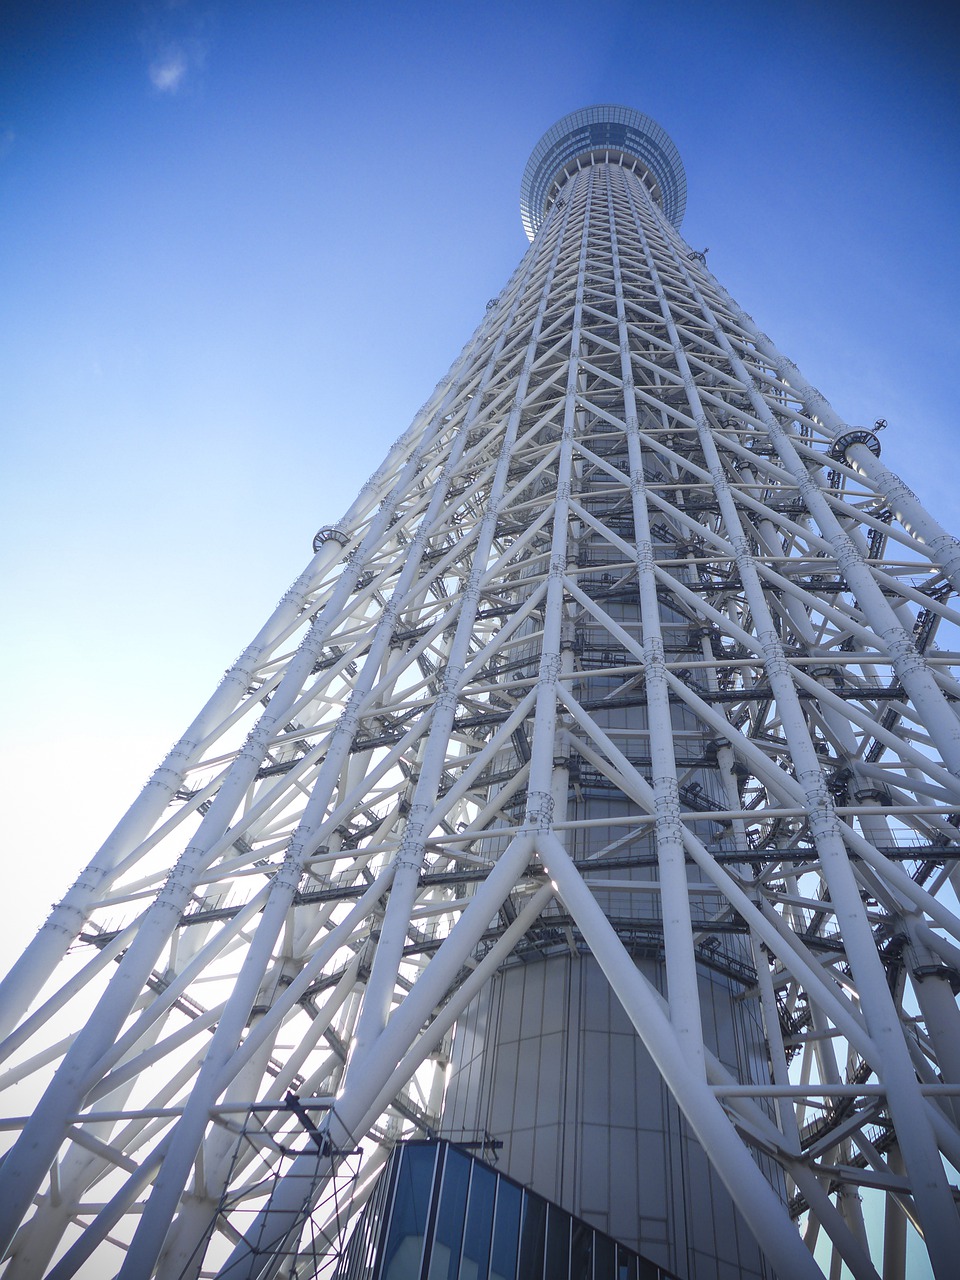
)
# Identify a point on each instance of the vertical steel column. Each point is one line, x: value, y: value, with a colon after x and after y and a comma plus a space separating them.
x: 382, y: 982
x: 935, y: 1203
x: 682, y: 984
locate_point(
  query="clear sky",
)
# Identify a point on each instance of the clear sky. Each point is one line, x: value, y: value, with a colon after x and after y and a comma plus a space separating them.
x: 243, y: 239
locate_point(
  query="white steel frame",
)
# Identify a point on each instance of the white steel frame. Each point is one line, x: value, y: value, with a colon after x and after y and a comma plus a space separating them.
x: 333, y: 860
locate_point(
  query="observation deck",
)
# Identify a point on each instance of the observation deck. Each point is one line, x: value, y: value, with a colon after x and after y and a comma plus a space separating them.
x: 594, y: 135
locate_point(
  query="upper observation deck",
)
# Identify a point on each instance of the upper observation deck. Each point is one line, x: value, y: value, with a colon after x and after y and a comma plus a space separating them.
x: 595, y: 134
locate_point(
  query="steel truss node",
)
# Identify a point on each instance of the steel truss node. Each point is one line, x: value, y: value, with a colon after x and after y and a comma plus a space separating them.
x: 628, y: 677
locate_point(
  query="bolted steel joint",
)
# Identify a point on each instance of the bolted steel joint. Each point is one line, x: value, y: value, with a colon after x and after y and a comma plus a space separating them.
x: 858, y: 435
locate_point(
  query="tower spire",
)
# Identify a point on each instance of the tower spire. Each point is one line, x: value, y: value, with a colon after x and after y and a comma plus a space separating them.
x: 593, y: 793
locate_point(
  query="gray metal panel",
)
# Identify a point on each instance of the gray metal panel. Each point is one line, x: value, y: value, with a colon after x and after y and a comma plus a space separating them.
x: 620, y: 1156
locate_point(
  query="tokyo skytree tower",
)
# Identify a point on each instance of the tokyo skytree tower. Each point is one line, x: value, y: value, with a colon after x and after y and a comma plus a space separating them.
x: 590, y: 802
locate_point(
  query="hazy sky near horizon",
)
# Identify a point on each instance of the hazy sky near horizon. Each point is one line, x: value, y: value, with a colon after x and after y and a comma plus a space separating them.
x: 242, y: 241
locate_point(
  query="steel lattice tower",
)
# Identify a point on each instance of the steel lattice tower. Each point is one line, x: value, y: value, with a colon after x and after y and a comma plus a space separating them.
x: 596, y: 786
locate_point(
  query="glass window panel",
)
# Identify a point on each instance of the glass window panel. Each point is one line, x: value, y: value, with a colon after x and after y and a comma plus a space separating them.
x: 533, y: 1230
x: 626, y: 1264
x: 557, y: 1265
x: 606, y: 1258
x: 361, y: 1252
x: 649, y: 1270
x: 581, y: 1251
x: 506, y: 1232
x: 448, y: 1234
x: 411, y: 1204
x: 476, y: 1233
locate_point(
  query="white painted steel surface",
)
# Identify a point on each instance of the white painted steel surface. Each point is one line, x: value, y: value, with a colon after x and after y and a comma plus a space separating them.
x: 597, y: 784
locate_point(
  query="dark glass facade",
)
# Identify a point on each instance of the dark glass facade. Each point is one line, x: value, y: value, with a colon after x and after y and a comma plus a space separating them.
x: 439, y: 1213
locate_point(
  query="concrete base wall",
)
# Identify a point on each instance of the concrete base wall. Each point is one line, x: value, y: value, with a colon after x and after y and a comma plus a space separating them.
x: 547, y: 1060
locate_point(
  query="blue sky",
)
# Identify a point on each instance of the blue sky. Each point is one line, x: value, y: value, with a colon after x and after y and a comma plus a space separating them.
x: 242, y: 241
